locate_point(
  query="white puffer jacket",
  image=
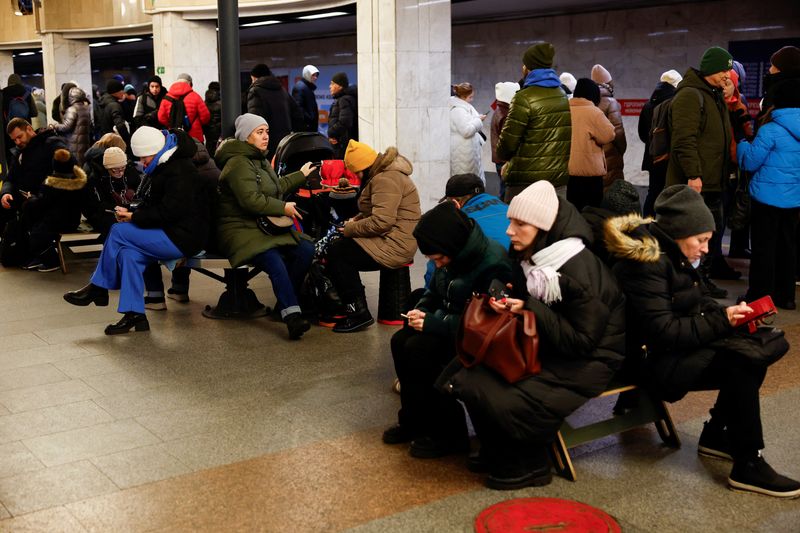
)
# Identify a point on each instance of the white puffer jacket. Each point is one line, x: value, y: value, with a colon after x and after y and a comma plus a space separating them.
x: 465, y: 141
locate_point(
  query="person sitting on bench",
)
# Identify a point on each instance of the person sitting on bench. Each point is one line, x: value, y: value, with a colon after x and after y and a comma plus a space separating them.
x: 170, y: 221
x: 672, y: 315
x: 249, y: 189
x: 580, y: 319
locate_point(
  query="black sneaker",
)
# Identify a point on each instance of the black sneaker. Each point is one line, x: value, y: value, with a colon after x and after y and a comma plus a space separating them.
x: 34, y: 264
x: 297, y: 325
x: 178, y: 296
x: 757, y: 476
x: 155, y: 303
x: 49, y: 267
x: 537, y: 477
x: 714, y: 443
x: 397, y: 434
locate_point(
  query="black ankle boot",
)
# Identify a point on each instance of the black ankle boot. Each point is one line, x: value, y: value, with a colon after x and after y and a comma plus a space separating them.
x: 297, y: 325
x: 90, y: 294
x: 129, y: 320
x: 356, y: 319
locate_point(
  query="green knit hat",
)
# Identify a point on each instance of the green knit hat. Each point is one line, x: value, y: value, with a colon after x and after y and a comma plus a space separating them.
x: 539, y: 56
x: 715, y: 59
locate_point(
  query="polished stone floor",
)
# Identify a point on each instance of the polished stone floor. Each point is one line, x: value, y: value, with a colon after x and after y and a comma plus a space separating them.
x: 205, y: 425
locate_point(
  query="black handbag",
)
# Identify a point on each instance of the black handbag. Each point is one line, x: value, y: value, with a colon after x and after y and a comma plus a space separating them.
x: 763, y: 347
x: 274, y: 226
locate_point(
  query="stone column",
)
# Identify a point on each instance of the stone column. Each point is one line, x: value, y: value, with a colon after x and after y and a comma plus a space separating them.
x: 64, y: 60
x: 6, y: 66
x: 404, y: 83
x: 188, y: 46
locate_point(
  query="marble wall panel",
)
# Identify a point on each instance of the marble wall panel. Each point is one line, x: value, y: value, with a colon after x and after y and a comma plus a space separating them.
x: 186, y: 46
x: 64, y: 60
x: 6, y: 65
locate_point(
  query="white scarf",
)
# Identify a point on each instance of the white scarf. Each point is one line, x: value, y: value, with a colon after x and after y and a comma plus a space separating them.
x: 541, y: 272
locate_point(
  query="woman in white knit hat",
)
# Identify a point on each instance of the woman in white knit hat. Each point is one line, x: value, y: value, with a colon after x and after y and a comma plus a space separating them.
x: 580, y: 317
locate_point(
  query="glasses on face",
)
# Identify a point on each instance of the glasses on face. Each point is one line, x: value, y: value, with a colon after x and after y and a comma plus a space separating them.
x: 116, y: 171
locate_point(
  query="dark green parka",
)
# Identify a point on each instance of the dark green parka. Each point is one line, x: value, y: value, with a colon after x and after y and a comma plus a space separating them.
x: 249, y: 188
x: 700, y: 139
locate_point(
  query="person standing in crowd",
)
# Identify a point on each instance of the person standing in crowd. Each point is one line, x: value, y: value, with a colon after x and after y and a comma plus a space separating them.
x: 535, y: 140
x: 466, y: 133
x: 171, y: 222
x: 740, y: 236
x: 17, y: 103
x: 112, y: 118
x: 267, y: 98
x: 61, y: 102
x: 665, y: 89
x: 466, y: 262
x: 129, y: 105
x: 699, y: 156
x: 380, y: 236
x: 591, y: 130
x: 197, y: 114
x: 303, y: 94
x: 213, y: 130
x: 784, y: 66
x: 77, y: 124
x: 682, y: 332
x: 614, y: 150
x: 568, y: 83
x: 503, y: 93
x: 580, y: 320
x: 249, y: 188
x: 343, y: 117
x: 40, y: 120
x: 146, y: 110
x: 774, y: 159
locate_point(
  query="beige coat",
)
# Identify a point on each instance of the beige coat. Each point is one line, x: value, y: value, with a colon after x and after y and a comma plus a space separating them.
x: 389, y: 212
x: 590, y: 131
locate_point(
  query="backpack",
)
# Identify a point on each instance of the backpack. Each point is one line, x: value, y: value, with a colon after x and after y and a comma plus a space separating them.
x: 18, y: 108
x: 177, y: 114
x: 660, y: 135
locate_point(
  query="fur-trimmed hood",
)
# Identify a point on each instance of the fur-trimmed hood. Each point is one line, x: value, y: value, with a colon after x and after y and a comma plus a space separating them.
x: 75, y: 183
x: 626, y: 238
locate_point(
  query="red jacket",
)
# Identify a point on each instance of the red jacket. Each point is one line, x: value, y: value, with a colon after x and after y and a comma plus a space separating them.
x: 196, y: 108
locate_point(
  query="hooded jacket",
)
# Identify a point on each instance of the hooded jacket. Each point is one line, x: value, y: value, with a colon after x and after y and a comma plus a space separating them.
x: 77, y: 124
x: 669, y: 310
x: 343, y: 118
x: 498, y: 119
x: 581, y: 343
x: 60, y: 200
x: 615, y: 149
x: 303, y: 94
x: 266, y: 98
x: 700, y: 138
x: 774, y: 159
x: 590, y: 131
x: 248, y: 189
x: 663, y: 91
x: 389, y: 212
x: 535, y: 139
x: 465, y: 138
x: 196, y: 108
x: 111, y: 116
x: 213, y: 130
x: 29, y: 168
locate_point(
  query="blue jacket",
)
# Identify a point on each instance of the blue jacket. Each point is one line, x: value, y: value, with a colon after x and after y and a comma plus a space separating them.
x: 490, y: 214
x: 774, y: 159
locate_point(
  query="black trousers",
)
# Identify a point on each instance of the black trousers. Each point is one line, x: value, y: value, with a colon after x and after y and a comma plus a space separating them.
x: 773, y: 253
x: 154, y: 283
x: 658, y: 178
x: 345, y: 259
x: 737, y: 407
x: 713, y: 201
x: 585, y: 190
x: 419, y: 358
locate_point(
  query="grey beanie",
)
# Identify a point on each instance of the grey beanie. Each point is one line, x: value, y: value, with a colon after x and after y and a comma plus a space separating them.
x: 245, y: 124
x: 681, y: 212
x: 621, y: 198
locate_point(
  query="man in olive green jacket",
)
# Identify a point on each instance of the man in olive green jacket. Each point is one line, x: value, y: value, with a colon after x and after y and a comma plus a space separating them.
x: 700, y: 139
x: 536, y: 136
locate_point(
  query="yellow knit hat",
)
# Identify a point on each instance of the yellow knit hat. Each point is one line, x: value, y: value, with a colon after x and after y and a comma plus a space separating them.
x: 359, y: 156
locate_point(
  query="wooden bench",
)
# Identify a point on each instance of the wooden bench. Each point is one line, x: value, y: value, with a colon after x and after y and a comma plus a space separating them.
x: 238, y: 301
x: 647, y: 409
x: 77, y: 243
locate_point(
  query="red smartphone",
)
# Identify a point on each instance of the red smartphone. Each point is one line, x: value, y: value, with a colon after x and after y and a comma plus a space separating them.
x: 762, y: 308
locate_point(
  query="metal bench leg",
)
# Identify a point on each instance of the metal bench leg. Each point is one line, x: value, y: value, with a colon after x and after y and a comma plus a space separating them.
x: 238, y: 301
x: 665, y: 427
x: 562, y: 461
x: 61, y: 260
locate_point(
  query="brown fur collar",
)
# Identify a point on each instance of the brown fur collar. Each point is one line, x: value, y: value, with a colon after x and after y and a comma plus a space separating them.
x: 622, y: 244
x: 68, y: 184
x: 391, y: 158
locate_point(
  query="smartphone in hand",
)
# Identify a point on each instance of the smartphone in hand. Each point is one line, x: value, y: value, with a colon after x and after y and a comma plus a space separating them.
x: 498, y: 289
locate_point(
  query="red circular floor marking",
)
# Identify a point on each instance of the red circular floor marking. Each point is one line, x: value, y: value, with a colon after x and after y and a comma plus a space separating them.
x: 546, y: 515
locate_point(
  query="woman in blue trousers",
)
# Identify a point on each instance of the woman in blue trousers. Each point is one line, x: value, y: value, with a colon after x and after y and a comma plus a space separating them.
x: 169, y: 219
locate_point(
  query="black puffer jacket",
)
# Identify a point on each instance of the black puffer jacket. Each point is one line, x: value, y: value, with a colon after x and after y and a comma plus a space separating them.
x: 266, y: 98
x: 663, y: 91
x: 343, y: 118
x: 177, y: 200
x: 77, y: 124
x: 213, y: 130
x: 669, y: 309
x: 581, y: 344
x: 28, y: 170
x: 111, y: 115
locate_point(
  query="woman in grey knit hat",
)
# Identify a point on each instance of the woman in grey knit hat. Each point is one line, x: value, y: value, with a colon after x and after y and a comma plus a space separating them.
x: 682, y: 329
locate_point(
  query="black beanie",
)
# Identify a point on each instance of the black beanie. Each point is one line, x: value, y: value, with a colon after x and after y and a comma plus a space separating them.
x: 340, y: 78
x: 260, y: 70
x: 586, y: 88
x: 621, y: 198
x: 787, y: 58
x: 155, y: 79
x: 681, y: 212
x: 63, y: 164
x: 114, y: 86
x: 443, y: 230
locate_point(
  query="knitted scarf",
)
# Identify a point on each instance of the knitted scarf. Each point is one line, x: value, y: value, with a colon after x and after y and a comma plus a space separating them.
x: 541, y: 272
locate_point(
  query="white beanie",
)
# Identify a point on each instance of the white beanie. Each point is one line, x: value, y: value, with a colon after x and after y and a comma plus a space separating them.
x: 245, y: 124
x: 672, y: 77
x: 568, y: 80
x: 308, y: 71
x: 600, y: 75
x: 537, y: 205
x: 146, y: 141
x: 505, y: 91
x: 114, y: 157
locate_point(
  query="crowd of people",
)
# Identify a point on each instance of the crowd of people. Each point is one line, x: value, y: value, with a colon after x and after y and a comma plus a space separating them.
x: 611, y: 290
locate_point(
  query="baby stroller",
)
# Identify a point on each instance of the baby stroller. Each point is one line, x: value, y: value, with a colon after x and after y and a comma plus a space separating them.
x: 332, y: 195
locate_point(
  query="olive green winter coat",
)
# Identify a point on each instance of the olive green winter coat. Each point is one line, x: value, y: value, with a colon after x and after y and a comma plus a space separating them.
x: 536, y: 136
x: 700, y: 139
x: 249, y: 188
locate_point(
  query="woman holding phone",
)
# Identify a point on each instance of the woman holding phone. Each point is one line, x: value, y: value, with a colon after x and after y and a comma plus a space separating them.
x: 466, y: 133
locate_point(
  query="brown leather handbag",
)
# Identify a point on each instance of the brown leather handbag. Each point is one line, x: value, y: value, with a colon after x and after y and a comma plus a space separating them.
x: 505, y: 342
